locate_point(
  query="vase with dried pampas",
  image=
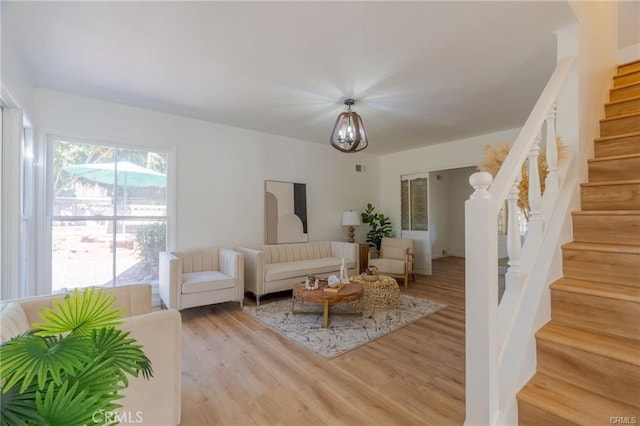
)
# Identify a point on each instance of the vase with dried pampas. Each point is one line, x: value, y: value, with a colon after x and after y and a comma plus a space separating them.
x: 494, y: 156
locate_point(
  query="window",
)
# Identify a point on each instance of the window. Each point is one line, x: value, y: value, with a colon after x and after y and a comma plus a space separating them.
x: 108, y: 214
x: 414, y: 202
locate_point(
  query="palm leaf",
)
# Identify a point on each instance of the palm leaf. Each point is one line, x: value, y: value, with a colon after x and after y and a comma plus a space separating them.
x: 126, y: 355
x: 37, y: 357
x: 79, y: 313
x: 65, y: 405
x: 19, y: 409
x: 100, y: 378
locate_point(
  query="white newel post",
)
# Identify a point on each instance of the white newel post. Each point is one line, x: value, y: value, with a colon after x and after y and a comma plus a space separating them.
x: 535, y: 195
x: 481, y: 276
x: 513, y: 277
x: 551, y: 181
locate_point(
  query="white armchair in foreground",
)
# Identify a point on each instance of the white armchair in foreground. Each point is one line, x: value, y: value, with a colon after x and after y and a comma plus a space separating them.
x: 201, y: 277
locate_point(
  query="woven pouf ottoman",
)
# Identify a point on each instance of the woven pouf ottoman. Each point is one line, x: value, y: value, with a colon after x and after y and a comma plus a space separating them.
x: 380, y: 295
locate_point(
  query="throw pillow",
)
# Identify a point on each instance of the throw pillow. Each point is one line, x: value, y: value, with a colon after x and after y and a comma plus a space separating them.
x: 13, y: 321
x: 394, y: 252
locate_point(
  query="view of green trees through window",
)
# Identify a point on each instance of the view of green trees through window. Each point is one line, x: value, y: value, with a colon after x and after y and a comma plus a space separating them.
x: 109, y: 214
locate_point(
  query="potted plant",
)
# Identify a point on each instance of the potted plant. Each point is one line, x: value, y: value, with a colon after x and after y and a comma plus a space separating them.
x: 72, y: 366
x: 379, y: 226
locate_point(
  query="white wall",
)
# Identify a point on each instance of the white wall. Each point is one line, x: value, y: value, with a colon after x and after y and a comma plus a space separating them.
x: 220, y: 171
x: 17, y: 89
x: 446, y: 208
x: 628, y: 31
x: 450, y: 155
x: 598, y: 56
x: 460, y: 193
x: 439, y: 213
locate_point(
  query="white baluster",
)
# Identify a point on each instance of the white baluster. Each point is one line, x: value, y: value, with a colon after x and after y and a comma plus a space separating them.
x: 535, y: 196
x: 513, y: 277
x: 551, y: 182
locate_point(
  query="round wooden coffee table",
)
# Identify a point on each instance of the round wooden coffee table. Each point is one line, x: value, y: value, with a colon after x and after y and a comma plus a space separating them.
x: 349, y: 293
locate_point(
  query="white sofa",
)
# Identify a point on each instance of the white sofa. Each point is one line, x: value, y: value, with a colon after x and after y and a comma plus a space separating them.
x: 201, y: 277
x: 276, y: 267
x: 147, y: 402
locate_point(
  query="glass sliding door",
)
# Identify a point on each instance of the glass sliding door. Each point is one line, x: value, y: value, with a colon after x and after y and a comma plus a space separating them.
x: 108, y: 214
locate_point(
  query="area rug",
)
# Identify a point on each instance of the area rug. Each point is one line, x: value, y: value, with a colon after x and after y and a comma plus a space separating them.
x: 344, y: 332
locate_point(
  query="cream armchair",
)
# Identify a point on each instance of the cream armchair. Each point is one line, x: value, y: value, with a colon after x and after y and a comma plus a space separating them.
x: 201, y: 277
x: 396, y: 259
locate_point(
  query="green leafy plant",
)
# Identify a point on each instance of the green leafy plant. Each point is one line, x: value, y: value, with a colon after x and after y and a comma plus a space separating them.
x: 71, y: 366
x: 151, y: 240
x: 379, y: 226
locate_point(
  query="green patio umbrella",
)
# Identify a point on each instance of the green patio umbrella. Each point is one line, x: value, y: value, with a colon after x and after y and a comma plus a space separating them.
x: 129, y: 174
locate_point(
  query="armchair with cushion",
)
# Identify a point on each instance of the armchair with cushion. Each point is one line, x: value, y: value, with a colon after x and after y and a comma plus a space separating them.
x: 201, y: 277
x: 396, y: 259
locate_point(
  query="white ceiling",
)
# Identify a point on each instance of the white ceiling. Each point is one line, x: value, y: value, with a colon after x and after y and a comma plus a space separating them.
x: 421, y: 72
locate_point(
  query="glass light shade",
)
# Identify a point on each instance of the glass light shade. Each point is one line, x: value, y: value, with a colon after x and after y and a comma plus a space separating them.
x: 348, y: 133
x: 351, y: 218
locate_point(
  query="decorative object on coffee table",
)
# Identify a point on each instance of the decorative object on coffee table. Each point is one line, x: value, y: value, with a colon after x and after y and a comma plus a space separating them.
x: 351, y: 292
x: 379, y: 295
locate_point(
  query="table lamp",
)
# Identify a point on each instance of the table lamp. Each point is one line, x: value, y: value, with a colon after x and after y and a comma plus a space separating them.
x: 351, y: 219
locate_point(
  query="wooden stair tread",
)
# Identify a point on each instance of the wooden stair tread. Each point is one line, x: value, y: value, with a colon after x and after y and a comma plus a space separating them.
x: 594, y: 288
x: 577, y: 405
x: 620, y: 136
x: 603, y: 248
x: 614, y: 347
x: 621, y: 101
x: 626, y: 73
x: 620, y: 117
x: 613, y: 158
x: 626, y: 86
x: 606, y: 212
x: 626, y: 64
x: 612, y: 182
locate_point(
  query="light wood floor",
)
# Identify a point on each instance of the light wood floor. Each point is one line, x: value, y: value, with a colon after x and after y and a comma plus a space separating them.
x: 236, y: 371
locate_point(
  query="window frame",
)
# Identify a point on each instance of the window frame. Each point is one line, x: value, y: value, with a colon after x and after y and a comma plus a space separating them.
x: 47, y: 218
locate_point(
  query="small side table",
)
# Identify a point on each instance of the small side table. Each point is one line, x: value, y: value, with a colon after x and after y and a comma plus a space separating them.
x: 364, y: 257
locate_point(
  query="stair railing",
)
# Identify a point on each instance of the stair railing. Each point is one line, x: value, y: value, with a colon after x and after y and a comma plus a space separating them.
x: 490, y: 327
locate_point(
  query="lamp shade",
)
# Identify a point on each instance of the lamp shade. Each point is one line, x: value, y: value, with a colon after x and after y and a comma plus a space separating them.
x: 351, y: 218
x: 348, y: 133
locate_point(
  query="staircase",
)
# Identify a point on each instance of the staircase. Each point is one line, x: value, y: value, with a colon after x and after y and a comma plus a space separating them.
x: 588, y: 355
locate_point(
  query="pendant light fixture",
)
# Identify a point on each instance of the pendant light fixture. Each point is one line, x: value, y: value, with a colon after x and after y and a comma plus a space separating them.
x: 348, y: 133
